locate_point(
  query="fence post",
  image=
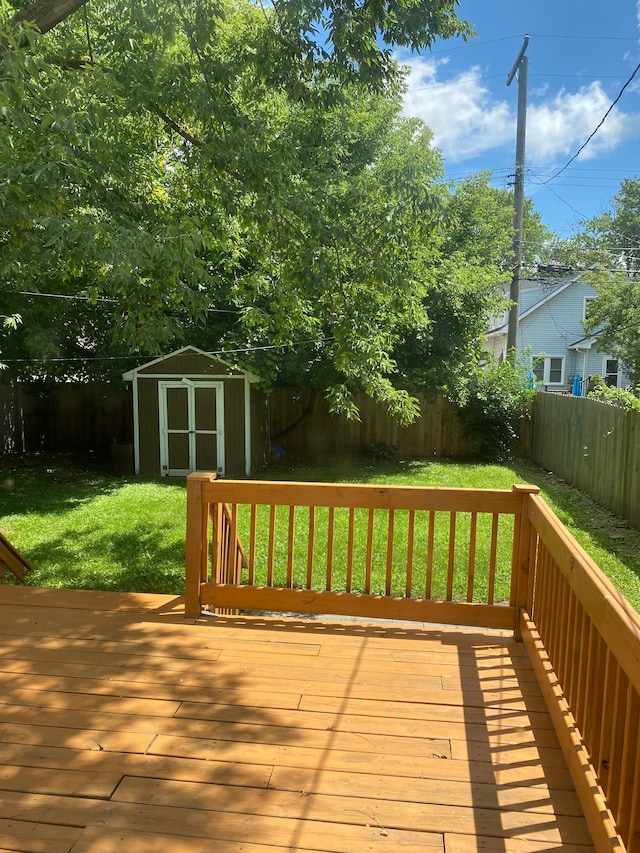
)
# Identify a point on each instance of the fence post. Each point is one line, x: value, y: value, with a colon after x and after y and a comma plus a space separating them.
x: 520, y: 585
x: 197, y: 536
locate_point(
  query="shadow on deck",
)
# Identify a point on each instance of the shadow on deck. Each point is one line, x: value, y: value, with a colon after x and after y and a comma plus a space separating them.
x: 126, y: 727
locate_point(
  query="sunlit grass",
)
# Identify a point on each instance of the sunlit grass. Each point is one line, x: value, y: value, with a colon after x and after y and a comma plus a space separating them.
x: 84, y: 528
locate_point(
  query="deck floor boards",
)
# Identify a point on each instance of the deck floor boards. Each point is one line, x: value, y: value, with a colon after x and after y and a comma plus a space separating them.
x: 125, y: 727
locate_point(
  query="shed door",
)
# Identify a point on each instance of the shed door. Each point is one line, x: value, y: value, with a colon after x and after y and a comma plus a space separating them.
x: 191, y: 427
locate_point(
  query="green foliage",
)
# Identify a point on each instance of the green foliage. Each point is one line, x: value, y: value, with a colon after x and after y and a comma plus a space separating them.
x: 494, y: 403
x: 206, y: 172
x: 621, y: 397
x: 479, y: 225
x: 609, y: 246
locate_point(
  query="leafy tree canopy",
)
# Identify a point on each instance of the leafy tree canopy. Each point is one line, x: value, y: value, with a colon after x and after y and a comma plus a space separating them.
x: 610, y: 244
x: 438, y: 356
x: 219, y: 163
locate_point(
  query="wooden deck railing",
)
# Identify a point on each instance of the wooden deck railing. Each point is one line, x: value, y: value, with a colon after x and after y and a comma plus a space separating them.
x: 584, y: 639
x: 433, y: 555
x: 443, y: 555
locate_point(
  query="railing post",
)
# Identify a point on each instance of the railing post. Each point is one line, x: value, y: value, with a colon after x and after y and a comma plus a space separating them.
x: 520, y: 580
x: 197, y: 536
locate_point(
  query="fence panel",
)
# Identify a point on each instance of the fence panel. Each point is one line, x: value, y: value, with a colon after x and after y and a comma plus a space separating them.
x: 437, y: 432
x: 592, y: 445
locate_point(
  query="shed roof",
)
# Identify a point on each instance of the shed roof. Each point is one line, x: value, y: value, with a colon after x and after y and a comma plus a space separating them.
x: 188, y: 361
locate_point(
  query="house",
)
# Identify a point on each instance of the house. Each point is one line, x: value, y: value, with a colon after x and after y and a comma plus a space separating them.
x: 194, y: 412
x: 551, y: 334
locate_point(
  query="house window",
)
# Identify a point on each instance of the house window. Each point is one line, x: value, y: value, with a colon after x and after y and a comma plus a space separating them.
x: 556, y: 369
x: 588, y: 302
x: 611, y: 372
x: 549, y: 370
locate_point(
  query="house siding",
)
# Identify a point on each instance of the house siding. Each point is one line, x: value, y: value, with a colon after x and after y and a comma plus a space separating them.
x: 551, y: 317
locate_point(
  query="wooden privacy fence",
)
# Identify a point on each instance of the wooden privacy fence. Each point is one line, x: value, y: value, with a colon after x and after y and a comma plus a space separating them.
x: 592, y: 445
x: 441, y: 555
x: 437, y: 432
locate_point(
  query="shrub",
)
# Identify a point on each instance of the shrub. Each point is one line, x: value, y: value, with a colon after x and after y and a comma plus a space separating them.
x: 495, y: 401
x: 621, y: 397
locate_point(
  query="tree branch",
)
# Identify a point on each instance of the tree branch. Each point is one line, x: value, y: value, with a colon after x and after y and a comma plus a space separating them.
x: 47, y: 14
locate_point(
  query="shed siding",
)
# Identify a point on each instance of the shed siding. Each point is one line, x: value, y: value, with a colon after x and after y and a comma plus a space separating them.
x: 149, y: 426
x: 189, y: 364
x: 234, y: 441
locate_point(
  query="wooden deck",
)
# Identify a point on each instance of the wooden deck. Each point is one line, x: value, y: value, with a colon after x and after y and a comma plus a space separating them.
x: 126, y: 728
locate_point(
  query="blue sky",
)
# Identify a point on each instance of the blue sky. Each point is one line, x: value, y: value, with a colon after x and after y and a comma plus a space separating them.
x: 581, y: 53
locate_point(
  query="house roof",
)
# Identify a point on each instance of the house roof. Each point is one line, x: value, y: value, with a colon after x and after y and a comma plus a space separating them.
x: 586, y: 343
x: 130, y: 375
x: 534, y: 297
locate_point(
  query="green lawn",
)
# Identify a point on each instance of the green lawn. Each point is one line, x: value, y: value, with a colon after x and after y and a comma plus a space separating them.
x: 80, y: 527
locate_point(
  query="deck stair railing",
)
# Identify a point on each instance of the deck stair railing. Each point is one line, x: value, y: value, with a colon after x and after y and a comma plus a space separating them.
x: 442, y: 555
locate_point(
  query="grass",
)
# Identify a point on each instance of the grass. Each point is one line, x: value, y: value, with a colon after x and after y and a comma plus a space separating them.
x: 81, y: 527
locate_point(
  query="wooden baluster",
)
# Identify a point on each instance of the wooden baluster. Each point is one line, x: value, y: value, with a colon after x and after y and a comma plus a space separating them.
x: 606, y: 722
x: 290, y: 545
x: 628, y: 760
x: 272, y: 543
x: 493, y: 555
x: 471, y: 566
x: 452, y: 555
x: 633, y: 833
x: 617, y: 739
x: 350, y: 543
x: 430, y: 542
x: 310, y: 545
x: 410, y: 546
x: 330, y: 545
x: 389, y: 565
x: 369, y: 555
x: 253, y: 544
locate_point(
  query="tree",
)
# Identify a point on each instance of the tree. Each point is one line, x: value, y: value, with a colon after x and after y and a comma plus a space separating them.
x: 474, y: 260
x: 168, y: 161
x: 614, y: 240
x: 479, y: 225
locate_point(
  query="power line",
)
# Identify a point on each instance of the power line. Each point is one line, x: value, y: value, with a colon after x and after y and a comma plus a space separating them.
x: 597, y: 128
x: 104, y: 299
x: 553, y: 192
x: 568, y: 37
x: 221, y: 352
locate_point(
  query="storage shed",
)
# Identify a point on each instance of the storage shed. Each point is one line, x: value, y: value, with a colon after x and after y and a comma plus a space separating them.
x: 194, y: 412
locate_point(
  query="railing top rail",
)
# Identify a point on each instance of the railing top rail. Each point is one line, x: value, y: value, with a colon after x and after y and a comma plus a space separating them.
x: 286, y: 493
x: 613, y: 616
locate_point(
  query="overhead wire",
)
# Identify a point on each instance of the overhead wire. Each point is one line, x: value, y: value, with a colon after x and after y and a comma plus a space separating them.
x: 221, y: 352
x: 597, y: 127
x: 103, y: 299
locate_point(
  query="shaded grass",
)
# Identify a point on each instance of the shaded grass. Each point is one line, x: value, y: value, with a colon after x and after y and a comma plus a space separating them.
x: 81, y: 527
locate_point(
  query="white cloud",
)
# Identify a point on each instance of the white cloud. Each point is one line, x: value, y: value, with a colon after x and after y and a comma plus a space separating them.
x: 461, y: 113
x: 467, y: 119
x: 561, y: 125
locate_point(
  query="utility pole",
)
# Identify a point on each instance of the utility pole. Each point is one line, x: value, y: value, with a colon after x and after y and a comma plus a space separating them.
x: 521, y: 65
